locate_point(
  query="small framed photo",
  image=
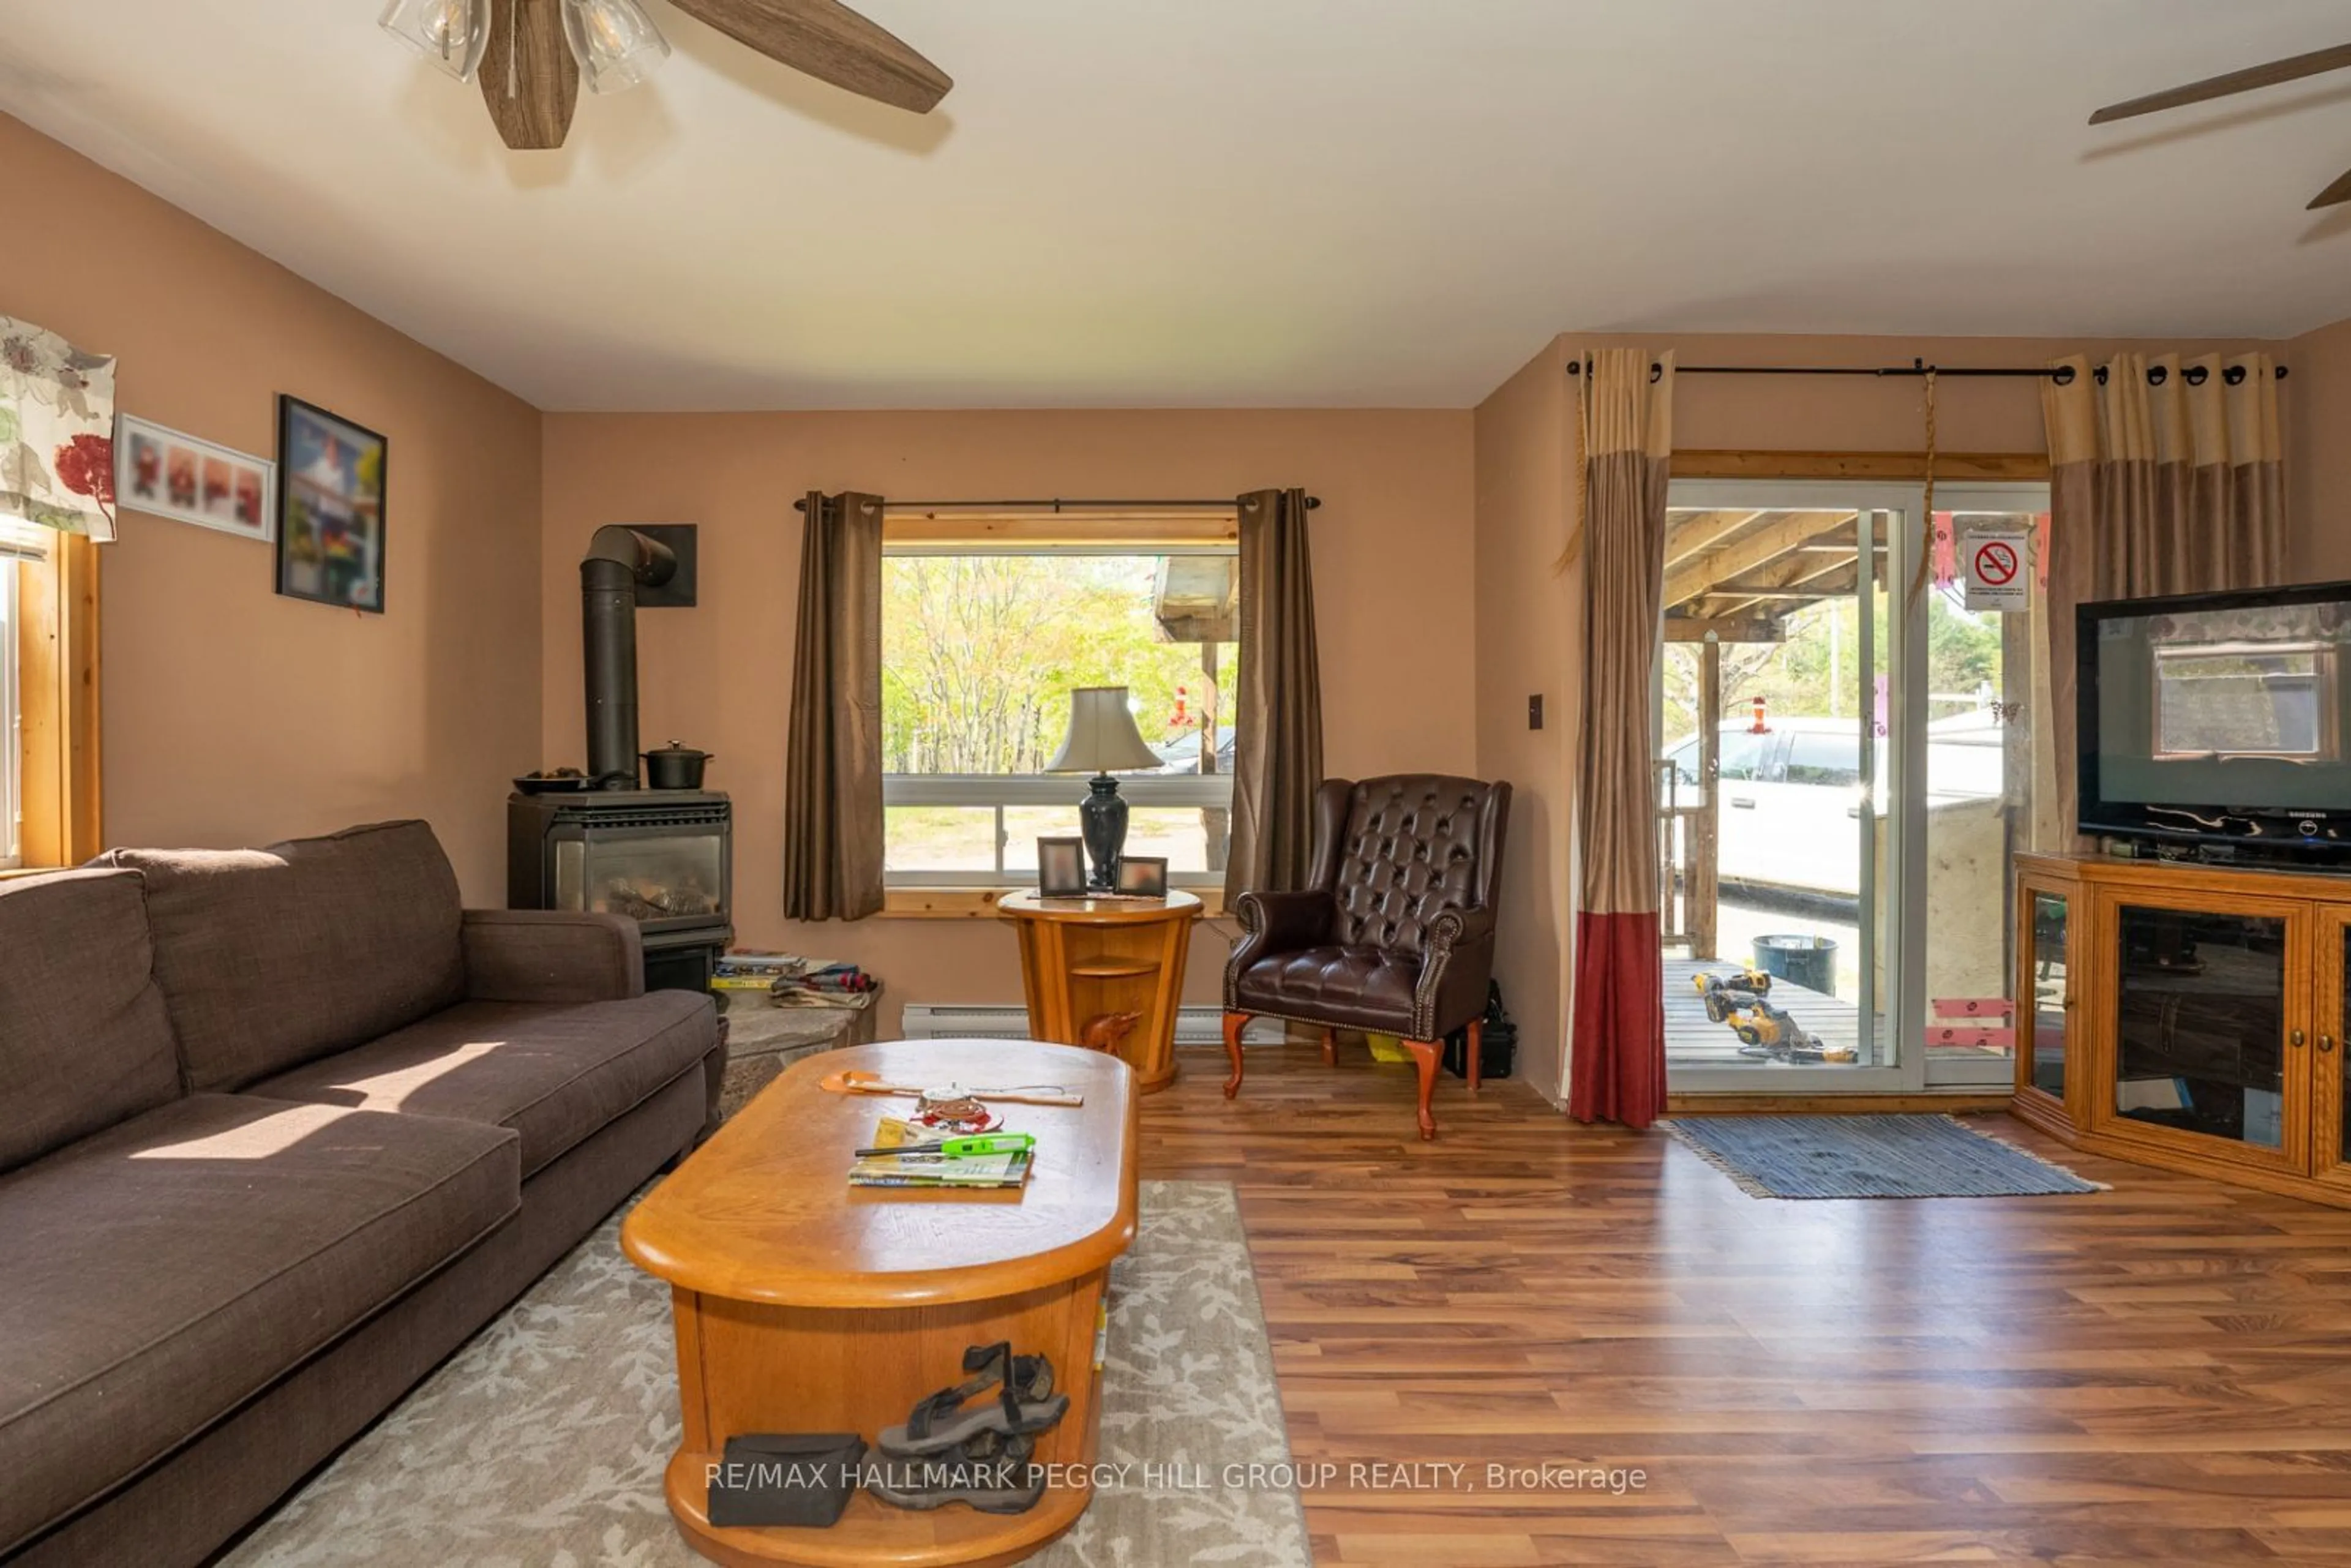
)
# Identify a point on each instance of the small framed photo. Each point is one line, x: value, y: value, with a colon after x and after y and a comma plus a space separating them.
x: 1061, y: 868
x: 330, y: 505
x: 166, y: 474
x: 1143, y: 876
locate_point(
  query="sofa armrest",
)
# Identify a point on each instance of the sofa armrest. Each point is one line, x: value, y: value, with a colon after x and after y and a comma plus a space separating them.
x: 552, y: 956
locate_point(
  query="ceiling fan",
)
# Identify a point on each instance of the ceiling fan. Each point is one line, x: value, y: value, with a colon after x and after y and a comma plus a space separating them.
x: 531, y: 55
x: 2315, y: 63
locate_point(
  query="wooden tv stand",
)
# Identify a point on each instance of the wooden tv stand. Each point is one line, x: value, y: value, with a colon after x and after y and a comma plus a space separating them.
x: 2192, y: 1017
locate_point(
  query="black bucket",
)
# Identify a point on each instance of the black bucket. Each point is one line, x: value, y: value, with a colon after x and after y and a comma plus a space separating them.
x: 1808, y: 961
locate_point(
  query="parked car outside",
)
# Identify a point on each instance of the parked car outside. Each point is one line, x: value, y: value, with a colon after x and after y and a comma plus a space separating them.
x: 1792, y: 795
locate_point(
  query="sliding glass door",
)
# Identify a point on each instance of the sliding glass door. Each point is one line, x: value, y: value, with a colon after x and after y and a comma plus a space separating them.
x: 1817, y: 798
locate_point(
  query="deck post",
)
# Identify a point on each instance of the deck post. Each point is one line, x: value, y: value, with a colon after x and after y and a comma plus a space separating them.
x: 1703, y: 887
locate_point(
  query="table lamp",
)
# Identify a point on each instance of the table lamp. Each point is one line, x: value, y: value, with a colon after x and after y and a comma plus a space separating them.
x: 1102, y: 738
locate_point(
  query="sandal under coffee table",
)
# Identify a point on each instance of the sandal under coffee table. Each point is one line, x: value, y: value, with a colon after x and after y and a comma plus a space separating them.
x: 805, y: 1305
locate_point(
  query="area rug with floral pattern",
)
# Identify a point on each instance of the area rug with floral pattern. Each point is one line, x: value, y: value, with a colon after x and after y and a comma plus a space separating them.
x: 541, y: 1443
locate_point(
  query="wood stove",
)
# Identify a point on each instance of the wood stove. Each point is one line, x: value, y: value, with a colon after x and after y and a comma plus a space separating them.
x: 663, y: 857
x: 601, y: 844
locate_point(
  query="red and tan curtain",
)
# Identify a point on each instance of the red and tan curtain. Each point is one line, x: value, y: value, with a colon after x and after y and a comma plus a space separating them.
x: 1617, y: 1067
x: 832, y: 780
x: 1278, y: 732
x: 2165, y: 476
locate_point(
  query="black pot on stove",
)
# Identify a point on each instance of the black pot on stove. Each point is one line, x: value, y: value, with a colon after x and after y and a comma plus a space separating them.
x: 676, y: 766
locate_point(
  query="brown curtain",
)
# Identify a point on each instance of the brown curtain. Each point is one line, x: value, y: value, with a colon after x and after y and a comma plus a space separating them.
x: 2167, y: 476
x: 1617, y: 1064
x: 832, y: 790
x: 1277, y: 733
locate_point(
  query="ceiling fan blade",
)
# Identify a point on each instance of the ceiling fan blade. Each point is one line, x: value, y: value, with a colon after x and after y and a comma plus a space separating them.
x: 2334, y: 195
x: 2316, y: 63
x: 833, y: 43
x: 529, y: 79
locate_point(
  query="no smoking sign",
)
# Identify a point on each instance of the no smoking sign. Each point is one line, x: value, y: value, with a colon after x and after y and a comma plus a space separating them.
x: 1994, y: 568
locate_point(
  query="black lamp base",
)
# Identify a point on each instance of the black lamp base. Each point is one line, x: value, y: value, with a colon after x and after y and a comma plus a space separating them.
x: 1102, y: 818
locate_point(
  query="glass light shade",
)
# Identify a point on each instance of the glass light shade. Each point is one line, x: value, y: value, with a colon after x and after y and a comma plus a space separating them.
x: 614, y: 41
x: 451, y: 34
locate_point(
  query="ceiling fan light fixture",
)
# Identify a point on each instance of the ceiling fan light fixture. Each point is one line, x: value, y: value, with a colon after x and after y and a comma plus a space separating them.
x: 453, y: 35
x: 616, y: 43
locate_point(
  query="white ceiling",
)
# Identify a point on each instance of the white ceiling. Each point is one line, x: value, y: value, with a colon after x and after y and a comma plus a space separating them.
x: 1149, y: 202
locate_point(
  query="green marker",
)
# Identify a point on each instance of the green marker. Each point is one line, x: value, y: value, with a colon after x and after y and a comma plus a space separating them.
x: 976, y: 1147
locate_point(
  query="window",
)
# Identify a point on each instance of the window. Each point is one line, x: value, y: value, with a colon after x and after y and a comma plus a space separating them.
x: 2245, y: 700
x: 48, y: 697
x: 1821, y: 759
x: 988, y: 624
x: 11, y: 738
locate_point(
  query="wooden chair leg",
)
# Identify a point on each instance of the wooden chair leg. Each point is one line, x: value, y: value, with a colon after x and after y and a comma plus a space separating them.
x: 1425, y: 1055
x: 1477, y: 1050
x: 1330, y: 1048
x: 1234, y: 1024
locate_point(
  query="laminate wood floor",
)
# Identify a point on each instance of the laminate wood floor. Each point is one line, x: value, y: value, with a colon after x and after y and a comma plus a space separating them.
x: 2159, y: 1375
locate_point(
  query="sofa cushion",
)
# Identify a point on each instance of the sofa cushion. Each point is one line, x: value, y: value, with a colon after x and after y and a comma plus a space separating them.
x: 170, y: 1267
x: 553, y: 1073
x: 1353, y: 987
x: 272, y: 958
x: 84, y: 1041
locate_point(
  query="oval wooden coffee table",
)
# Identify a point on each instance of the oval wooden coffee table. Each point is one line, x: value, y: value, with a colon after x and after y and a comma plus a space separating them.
x: 803, y: 1304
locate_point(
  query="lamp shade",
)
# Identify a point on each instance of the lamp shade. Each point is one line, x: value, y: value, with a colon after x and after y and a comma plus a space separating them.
x: 614, y: 41
x: 1102, y: 738
x: 451, y: 34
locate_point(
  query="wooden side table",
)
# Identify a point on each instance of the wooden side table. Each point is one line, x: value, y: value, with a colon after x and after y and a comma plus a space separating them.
x: 1087, y: 958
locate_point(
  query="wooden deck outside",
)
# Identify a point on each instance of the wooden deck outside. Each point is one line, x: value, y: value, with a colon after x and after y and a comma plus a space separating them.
x: 1691, y: 1040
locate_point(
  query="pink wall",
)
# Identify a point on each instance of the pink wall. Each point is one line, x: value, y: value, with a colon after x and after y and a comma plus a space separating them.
x: 231, y: 716
x: 1529, y: 622
x: 1529, y: 630
x: 2318, y: 456
x: 1393, y: 590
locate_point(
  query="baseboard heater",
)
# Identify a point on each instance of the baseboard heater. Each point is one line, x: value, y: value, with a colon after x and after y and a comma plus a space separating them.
x: 1194, y: 1026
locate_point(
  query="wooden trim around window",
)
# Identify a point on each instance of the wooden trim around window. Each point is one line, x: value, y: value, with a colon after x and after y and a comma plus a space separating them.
x: 57, y: 683
x: 979, y: 903
x: 1951, y: 468
x: 1138, y: 531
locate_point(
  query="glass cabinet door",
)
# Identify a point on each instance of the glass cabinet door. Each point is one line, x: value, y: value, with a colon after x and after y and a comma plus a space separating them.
x: 2330, y: 1157
x: 2045, y: 992
x: 2210, y: 1027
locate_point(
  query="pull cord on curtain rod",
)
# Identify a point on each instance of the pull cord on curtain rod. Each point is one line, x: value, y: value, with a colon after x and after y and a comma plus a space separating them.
x: 2194, y: 375
x: 1060, y: 504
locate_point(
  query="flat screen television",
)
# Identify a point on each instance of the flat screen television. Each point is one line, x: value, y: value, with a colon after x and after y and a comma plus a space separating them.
x: 2218, y: 718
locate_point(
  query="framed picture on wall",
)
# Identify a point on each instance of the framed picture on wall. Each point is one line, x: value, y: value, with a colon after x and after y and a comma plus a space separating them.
x: 331, y: 507
x: 166, y: 474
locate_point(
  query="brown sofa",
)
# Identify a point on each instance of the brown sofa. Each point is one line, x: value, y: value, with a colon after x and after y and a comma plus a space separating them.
x: 282, y: 1129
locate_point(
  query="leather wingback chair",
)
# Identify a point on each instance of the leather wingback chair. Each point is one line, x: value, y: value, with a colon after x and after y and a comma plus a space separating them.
x: 1394, y: 933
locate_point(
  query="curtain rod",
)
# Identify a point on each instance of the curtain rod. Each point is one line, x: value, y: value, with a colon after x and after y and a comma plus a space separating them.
x: 1058, y: 504
x: 2194, y: 375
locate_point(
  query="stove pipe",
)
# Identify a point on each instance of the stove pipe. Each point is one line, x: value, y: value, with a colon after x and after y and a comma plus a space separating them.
x: 618, y: 561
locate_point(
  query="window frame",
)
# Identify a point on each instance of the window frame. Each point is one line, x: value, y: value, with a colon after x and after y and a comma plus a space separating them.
x: 11, y: 720
x: 54, y: 645
x: 1044, y: 534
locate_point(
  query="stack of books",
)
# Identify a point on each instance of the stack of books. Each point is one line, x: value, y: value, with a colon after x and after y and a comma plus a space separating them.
x: 921, y: 1165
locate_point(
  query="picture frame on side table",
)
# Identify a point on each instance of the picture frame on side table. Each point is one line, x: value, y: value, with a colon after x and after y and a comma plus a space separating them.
x: 331, y: 513
x: 1061, y: 868
x: 1141, y: 876
x: 168, y: 474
